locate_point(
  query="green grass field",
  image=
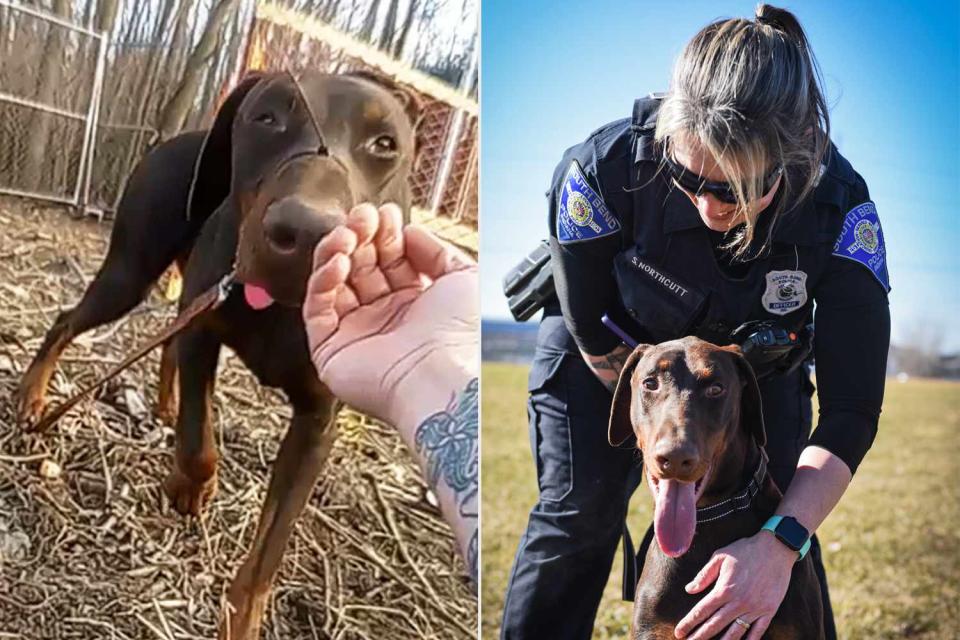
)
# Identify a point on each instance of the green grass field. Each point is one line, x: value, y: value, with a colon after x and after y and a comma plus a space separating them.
x: 891, y: 547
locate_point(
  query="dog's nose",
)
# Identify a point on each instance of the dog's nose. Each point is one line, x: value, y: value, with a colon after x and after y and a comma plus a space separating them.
x: 676, y: 460
x: 291, y: 224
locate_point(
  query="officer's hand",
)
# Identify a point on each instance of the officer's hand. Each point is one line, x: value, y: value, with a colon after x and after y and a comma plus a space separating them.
x: 383, y: 302
x: 751, y: 577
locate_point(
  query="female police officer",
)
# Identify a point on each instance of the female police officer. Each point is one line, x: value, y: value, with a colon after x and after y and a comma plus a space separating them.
x: 720, y: 203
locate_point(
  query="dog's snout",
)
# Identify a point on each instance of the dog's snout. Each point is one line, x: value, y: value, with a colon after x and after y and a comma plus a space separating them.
x: 676, y: 459
x: 293, y: 225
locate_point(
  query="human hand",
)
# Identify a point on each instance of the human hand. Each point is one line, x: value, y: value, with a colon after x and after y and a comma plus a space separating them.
x: 752, y: 576
x: 384, y: 303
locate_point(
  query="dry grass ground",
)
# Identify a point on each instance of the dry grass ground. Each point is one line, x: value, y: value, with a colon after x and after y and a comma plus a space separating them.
x: 891, y: 546
x: 97, y: 552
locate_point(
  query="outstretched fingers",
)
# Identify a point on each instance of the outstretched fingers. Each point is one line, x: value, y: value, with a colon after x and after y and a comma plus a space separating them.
x: 391, y: 248
x: 431, y: 256
x: 367, y: 280
x: 340, y: 242
x: 321, y: 309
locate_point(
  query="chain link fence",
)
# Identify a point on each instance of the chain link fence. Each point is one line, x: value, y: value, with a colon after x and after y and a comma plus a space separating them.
x: 50, y: 78
x: 79, y: 108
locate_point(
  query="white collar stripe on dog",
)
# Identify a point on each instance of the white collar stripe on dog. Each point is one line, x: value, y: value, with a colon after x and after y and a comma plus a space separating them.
x: 740, y: 501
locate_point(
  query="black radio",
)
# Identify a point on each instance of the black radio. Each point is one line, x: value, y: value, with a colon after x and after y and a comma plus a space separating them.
x: 770, y: 348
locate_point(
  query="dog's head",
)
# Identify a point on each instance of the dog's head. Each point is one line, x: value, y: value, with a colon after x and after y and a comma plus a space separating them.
x: 293, y: 154
x: 686, y: 401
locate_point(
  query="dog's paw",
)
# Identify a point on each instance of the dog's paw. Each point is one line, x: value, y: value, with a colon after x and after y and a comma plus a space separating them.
x: 31, y: 396
x: 243, y: 619
x: 189, y: 496
x: 30, y: 406
x: 166, y: 412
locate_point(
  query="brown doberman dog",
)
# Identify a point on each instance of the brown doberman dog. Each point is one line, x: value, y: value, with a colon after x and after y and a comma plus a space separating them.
x: 695, y: 411
x: 284, y: 161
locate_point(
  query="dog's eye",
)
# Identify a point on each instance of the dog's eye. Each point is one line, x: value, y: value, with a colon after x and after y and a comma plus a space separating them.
x: 651, y: 384
x: 715, y: 390
x: 384, y: 146
x: 266, y: 118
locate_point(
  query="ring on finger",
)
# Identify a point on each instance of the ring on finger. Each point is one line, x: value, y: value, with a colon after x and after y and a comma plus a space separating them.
x: 743, y: 623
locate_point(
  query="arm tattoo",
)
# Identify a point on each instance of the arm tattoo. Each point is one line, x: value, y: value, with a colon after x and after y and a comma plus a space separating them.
x: 613, y: 361
x: 607, y: 367
x: 447, y: 440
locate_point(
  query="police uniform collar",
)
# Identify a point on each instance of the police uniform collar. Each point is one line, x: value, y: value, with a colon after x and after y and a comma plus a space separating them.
x: 798, y: 225
x: 679, y: 212
x: 644, y: 123
x: 645, y: 111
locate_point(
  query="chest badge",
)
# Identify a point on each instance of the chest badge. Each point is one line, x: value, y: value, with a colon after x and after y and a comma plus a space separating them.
x: 786, y: 292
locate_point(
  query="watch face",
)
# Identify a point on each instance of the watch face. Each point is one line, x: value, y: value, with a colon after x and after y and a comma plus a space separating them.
x: 792, y: 533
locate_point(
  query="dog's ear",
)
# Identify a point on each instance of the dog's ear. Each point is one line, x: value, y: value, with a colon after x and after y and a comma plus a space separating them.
x: 751, y: 407
x: 412, y: 104
x: 621, y: 427
x: 213, y: 168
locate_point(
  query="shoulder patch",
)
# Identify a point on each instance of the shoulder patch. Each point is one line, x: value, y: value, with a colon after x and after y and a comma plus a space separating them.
x: 861, y: 240
x: 581, y: 212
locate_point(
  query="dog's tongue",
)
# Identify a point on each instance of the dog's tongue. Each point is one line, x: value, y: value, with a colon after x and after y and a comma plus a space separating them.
x: 256, y: 296
x: 675, y: 517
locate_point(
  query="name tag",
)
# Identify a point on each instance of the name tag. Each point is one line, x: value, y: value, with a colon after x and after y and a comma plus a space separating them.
x: 664, y: 305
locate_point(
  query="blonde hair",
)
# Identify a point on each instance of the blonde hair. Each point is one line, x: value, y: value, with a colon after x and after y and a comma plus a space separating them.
x: 749, y: 93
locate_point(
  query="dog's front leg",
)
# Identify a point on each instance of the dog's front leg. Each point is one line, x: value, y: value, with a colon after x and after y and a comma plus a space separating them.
x: 168, y: 399
x: 193, y: 480
x: 304, y: 450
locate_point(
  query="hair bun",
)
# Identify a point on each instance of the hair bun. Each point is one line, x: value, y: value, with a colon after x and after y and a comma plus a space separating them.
x: 781, y: 20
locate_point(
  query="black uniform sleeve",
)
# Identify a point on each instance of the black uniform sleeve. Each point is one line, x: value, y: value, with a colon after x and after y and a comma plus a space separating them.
x: 583, y: 270
x: 852, y: 321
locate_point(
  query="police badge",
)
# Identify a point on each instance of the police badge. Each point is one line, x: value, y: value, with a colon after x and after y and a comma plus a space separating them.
x: 581, y: 212
x: 786, y: 292
x: 861, y: 240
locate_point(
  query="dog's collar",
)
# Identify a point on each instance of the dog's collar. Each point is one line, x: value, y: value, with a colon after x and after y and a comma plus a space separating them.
x: 741, y: 500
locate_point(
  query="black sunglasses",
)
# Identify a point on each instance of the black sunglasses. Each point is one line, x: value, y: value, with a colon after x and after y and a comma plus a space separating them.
x: 722, y: 191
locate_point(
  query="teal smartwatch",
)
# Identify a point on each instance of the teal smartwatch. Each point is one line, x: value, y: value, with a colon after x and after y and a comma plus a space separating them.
x: 790, y: 532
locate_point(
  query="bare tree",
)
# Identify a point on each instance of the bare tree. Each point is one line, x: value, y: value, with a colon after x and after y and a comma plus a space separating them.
x: 147, y: 85
x: 400, y: 42
x: 370, y: 21
x: 919, y: 353
x: 178, y: 44
x: 389, y: 25
x: 177, y: 110
x: 107, y: 15
x: 47, y: 83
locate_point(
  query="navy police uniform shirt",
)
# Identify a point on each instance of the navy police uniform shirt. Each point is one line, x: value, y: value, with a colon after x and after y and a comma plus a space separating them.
x: 625, y: 241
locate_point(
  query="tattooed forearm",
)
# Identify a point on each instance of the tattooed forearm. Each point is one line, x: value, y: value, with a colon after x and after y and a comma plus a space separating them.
x: 447, y: 441
x: 607, y: 367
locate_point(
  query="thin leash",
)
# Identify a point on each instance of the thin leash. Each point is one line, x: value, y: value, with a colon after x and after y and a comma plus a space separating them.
x: 207, y: 301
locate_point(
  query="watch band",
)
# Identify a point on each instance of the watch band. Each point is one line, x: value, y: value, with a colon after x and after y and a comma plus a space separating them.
x: 771, y: 526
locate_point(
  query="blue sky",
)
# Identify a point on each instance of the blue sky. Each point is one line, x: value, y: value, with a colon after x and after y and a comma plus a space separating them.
x: 554, y: 71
